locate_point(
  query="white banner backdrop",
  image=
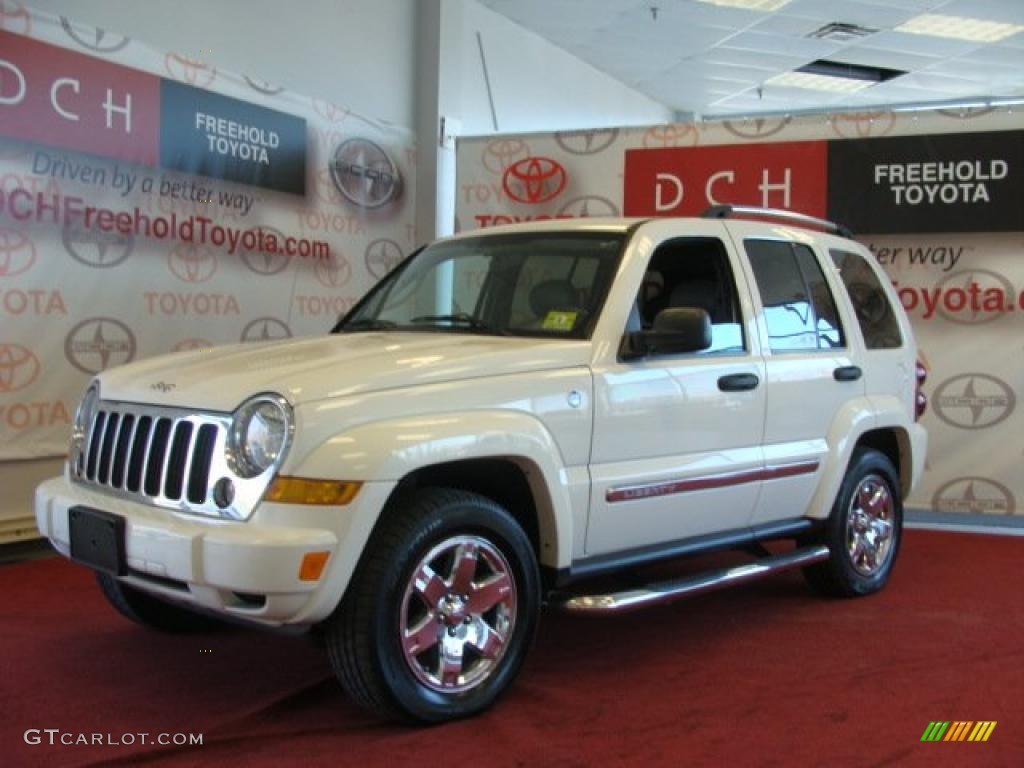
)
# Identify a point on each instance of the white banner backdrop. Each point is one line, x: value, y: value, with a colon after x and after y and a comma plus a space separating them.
x: 77, y: 297
x: 963, y: 291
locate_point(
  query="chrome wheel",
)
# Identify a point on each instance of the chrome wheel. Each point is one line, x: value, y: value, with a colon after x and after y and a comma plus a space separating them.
x: 869, y: 526
x: 457, y: 614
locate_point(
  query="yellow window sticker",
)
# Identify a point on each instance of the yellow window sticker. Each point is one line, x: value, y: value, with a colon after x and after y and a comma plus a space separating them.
x: 559, y: 321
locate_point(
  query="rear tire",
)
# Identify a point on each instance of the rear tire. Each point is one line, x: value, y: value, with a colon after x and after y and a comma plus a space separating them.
x: 150, y: 611
x: 441, y: 611
x: 863, y: 531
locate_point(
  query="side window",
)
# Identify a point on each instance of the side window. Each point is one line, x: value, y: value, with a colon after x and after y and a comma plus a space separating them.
x: 693, y: 272
x: 874, y: 313
x: 799, y: 308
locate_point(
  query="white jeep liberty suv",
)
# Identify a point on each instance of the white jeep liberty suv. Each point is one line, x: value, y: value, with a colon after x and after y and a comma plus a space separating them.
x: 505, y: 415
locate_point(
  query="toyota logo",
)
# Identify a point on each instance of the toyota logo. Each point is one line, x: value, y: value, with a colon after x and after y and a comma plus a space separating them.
x: 190, y: 71
x: 589, y: 206
x: 860, y: 125
x: 14, y: 17
x: 95, y: 248
x: 19, y: 368
x: 955, y: 290
x: 365, y: 174
x: 586, y: 142
x: 382, y: 255
x: 262, y: 262
x: 99, y: 343
x: 499, y: 154
x: 758, y: 128
x: 262, y: 86
x: 671, y: 135
x: 96, y: 39
x: 973, y: 401
x: 534, y: 180
x: 966, y: 113
x: 333, y: 272
x: 17, y: 253
x: 329, y: 111
x: 192, y: 263
x: 974, y: 495
x: 266, y: 329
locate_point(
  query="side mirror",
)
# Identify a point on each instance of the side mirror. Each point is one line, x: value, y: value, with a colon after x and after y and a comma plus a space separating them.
x: 676, y: 330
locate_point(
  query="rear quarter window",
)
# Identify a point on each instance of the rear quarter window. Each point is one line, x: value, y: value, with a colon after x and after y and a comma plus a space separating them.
x: 875, y: 314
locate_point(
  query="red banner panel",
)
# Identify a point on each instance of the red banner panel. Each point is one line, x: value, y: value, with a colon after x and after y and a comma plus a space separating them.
x: 683, y: 181
x: 50, y: 95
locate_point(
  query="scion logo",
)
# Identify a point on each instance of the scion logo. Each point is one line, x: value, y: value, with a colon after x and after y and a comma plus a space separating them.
x: 190, y: 71
x: 95, y: 39
x: 19, y: 367
x: 861, y: 125
x: 262, y: 86
x: 263, y: 263
x: 333, y: 272
x: 973, y: 401
x: 99, y: 343
x: 499, y: 154
x: 974, y: 495
x: 588, y: 206
x: 187, y: 345
x: 266, y: 329
x: 534, y: 180
x: 382, y: 255
x: 974, y: 296
x: 192, y: 263
x: 95, y: 248
x: 14, y: 17
x: 586, y: 142
x: 671, y: 135
x: 758, y: 128
x: 17, y: 253
x: 365, y: 174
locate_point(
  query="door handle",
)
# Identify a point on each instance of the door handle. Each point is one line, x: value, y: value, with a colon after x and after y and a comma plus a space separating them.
x: 847, y: 373
x: 738, y: 382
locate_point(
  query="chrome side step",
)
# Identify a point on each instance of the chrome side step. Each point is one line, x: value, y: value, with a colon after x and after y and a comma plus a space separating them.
x: 666, y: 591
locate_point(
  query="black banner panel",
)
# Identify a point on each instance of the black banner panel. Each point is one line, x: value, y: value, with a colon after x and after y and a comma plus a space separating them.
x: 960, y: 182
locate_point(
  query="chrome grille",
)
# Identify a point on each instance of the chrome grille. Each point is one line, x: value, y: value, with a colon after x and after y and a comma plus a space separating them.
x: 163, y: 456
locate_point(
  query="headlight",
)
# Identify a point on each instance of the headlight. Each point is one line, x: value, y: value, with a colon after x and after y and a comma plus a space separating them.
x: 83, y: 415
x: 260, y: 433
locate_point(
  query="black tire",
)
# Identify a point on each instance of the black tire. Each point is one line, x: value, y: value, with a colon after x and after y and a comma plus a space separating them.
x: 846, y: 573
x: 369, y: 638
x: 150, y: 611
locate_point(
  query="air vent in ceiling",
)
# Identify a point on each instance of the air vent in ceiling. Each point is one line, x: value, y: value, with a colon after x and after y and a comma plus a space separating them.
x: 842, y: 69
x: 838, y: 32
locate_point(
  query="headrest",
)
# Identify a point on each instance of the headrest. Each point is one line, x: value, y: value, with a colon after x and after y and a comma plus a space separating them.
x: 552, y: 295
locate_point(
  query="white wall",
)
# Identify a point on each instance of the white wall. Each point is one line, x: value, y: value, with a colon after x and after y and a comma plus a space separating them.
x: 359, y: 54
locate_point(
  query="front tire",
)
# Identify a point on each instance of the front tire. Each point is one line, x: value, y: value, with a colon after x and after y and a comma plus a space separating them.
x: 863, y: 531
x: 441, y: 611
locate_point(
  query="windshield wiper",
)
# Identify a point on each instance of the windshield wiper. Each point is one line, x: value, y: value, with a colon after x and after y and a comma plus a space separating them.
x: 368, y: 324
x: 463, y: 318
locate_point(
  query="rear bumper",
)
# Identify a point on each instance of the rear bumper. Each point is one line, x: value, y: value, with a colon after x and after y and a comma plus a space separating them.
x: 918, y: 452
x: 249, y: 570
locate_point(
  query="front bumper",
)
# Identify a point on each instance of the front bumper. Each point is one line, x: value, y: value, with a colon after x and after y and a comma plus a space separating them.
x: 249, y: 570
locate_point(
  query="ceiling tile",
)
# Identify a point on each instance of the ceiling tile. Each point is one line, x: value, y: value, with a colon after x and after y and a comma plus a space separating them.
x: 802, y: 47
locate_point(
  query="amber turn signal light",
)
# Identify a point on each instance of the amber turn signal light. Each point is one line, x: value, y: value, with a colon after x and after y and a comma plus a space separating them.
x: 312, y: 565
x: 304, y: 490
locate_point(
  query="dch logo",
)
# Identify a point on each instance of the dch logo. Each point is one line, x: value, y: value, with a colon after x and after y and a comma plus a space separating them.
x: 14, y: 17
x: 333, y: 272
x: 365, y: 174
x: 586, y: 142
x: 262, y: 86
x: 499, y: 154
x: 758, y: 128
x: 96, y: 39
x: 974, y: 495
x: 95, y: 248
x: 99, y: 343
x: 192, y: 263
x: 263, y: 262
x: 671, y: 135
x: 588, y: 206
x: 17, y: 253
x: 973, y: 401
x: 19, y: 367
x: 190, y: 71
x: 534, y: 180
x: 266, y: 329
x: 382, y: 255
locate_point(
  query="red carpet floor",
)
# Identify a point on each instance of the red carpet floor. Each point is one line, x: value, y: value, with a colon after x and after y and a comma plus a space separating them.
x: 763, y: 675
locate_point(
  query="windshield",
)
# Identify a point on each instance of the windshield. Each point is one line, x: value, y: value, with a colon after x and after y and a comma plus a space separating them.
x: 537, y: 284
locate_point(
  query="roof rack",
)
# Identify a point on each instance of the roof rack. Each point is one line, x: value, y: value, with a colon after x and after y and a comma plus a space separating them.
x: 728, y: 211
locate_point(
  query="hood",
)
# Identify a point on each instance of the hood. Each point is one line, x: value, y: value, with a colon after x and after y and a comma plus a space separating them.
x: 305, y: 370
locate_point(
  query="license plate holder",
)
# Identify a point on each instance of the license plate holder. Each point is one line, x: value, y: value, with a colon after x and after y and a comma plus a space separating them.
x: 97, y: 539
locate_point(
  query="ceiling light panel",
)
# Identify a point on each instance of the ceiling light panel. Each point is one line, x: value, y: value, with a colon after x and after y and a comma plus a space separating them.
x: 813, y: 82
x: 960, y: 28
x: 751, y: 5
